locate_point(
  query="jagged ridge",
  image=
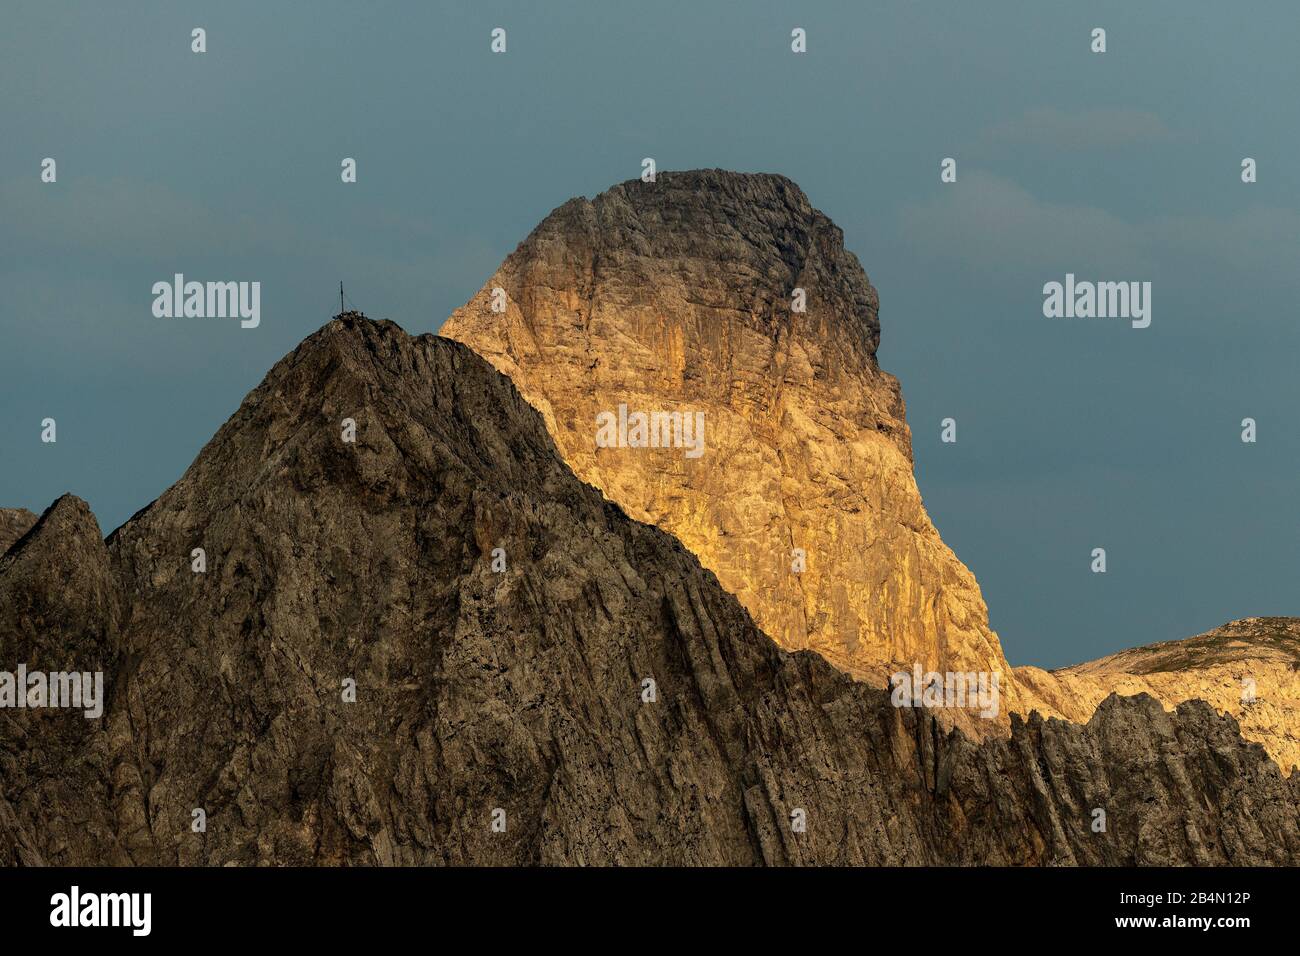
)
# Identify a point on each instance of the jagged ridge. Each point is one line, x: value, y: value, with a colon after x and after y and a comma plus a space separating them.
x: 520, y: 690
x: 678, y: 294
x: 1249, y: 669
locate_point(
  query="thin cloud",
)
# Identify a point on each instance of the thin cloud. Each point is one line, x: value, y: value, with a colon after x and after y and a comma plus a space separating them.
x: 992, y: 226
x: 1054, y: 129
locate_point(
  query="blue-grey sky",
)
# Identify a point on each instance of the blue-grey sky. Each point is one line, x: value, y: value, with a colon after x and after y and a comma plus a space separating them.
x: 1071, y: 434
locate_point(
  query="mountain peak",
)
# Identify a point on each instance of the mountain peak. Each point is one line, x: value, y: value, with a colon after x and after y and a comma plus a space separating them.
x: 14, y: 523
x: 735, y: 248
x: 729, y: 295
x: 716, y: 187
x: 364, y: 648
x: 68, y: 518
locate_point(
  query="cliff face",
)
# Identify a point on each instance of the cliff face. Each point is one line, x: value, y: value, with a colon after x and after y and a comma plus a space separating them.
x: 1249, y: 669
x: 522, y: 690
x: 14, y: 523
x: 61, y: 774
x: 678, y: 295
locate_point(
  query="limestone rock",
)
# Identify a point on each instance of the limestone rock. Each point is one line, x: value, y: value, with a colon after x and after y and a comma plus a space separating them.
x: 59, y: 611
x: 677, y: 295
x: 523, y: 690
x: 1258, y: 657
x: 14, y: 523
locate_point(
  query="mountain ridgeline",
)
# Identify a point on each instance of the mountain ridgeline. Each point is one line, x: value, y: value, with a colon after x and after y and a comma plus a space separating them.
x: 435, y: 645
x: 729, y: 297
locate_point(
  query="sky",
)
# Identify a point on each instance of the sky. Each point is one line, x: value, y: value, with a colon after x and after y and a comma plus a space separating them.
x: 1071, y: 434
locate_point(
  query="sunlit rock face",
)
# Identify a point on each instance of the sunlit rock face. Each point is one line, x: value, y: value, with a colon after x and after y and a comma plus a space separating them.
x: 682, y: 296
x: 1249, y: 669
x: 512, y: 692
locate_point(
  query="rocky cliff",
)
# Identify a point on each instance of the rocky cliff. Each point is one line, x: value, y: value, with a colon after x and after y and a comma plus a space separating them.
x: 679, y: 295
x: 684, y: 295
x: 598, y: 698
x: 1249, y: 669
x: 14, y: 523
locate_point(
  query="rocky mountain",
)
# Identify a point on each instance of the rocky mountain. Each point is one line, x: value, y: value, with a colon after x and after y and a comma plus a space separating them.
x: 1249, y: 669
x: 14, y: 523
x: 586, y: 694
x: 679, y: 295
x: 684, y: 295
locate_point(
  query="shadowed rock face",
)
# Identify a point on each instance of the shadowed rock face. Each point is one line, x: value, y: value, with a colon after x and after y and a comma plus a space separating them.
x: 60, y: 611
x: 677, y: 295
x: 14, y: 523
x: 520, y: 690
x: 1248, y: 668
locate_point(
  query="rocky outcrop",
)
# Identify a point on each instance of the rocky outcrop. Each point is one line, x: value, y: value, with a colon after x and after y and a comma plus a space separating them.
x: 677, y: 295
x: 60, y: 611
x: 14, y: 523
x: 598, y: 696
x: 1249, y: 669
x: 680, y: 295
